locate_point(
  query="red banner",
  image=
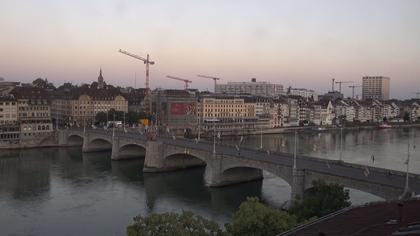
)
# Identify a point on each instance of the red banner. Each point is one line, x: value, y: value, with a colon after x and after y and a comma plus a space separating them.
x: 182, y: 108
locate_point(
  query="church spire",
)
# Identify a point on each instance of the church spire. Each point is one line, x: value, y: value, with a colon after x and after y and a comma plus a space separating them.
x: 101, y: 82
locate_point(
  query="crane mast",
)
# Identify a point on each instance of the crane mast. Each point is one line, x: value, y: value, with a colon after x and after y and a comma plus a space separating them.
x: 353, y: 87
x: 211, y: 77
x: 147, y: 61
x: 180, y: 79
x: 341, y: 82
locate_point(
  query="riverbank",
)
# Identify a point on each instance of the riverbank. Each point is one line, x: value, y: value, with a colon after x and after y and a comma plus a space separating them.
x: 315, y: 129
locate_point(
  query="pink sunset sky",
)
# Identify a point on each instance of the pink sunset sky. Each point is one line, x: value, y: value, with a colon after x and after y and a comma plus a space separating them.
x: 294, y: 43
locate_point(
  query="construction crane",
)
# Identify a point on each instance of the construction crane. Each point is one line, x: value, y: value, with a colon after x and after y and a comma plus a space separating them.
x: 342, y: 82
x: 180, y: 79
x: 417, y: 94
x: 353, y: 87
x: 211, y: 77
x: 146, y: 61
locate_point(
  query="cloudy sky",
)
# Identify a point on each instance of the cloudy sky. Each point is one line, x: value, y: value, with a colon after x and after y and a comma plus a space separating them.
x: 294, y: 43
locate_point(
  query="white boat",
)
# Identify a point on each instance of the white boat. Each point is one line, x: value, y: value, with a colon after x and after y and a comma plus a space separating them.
x: 384, y: 126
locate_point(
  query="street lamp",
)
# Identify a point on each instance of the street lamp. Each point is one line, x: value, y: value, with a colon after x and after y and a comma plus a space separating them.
x: 261, y: 137
x: 341, y: 143
x: 214, y: 137
x: 295, y: 151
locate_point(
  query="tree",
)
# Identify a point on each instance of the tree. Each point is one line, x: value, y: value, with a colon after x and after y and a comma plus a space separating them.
x: 406, y: 116
x: 173, y: 224
x: 101, y: 117
x: 255, y: 218
x: 322, y: 199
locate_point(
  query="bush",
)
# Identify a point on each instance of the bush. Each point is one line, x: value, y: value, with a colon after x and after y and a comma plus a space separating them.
x: 255, y: 218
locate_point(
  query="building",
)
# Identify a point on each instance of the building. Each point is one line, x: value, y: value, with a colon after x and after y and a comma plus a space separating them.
x: 8, y: 110
x: 235, y: 114
x: 34, y: 113
x: 375, y: 87
x: 305, y: 93
x: 253, y: 88
x: 79, y: 105
x: 101, y: 81
x: 175, y: 110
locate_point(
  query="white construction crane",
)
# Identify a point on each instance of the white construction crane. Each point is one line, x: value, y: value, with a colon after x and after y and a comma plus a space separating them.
x: 342, y: 82
x: 211, y: 77
x: 417, y: 94
x: 353, y: 87
x: 146, y: 61
x: 180, y: 79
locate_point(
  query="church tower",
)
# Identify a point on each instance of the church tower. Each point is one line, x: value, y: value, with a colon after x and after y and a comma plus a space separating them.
x: 101, y: 82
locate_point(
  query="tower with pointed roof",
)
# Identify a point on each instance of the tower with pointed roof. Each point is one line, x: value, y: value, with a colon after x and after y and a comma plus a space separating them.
x: 101, y: 82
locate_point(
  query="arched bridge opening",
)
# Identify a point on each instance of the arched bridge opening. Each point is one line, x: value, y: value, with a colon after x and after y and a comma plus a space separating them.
x: 183, y: 161
x: 130, y: 151
x: 97, y: 145
x: 75, y: 140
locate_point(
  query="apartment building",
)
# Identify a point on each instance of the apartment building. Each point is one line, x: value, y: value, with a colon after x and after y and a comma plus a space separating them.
x: 375, y: 87
x: 252, y: 88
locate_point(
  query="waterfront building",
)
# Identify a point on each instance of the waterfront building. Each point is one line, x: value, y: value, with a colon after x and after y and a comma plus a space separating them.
x: 253, y: 88
x: 8, y: 110
x: 375, y: 87
x: 230, y: 114
x: 305, y: 93
x: 175, y: 109
x: 79, y: 105
x: 34, y: 112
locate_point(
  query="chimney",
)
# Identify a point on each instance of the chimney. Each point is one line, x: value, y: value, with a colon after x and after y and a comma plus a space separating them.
x: 253, y: 80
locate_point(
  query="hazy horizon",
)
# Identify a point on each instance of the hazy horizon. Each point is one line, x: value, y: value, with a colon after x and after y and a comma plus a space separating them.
x: 295, y: 43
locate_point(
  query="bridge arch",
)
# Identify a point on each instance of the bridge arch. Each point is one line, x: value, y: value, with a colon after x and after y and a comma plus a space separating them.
x: 131, y: 150
x: 75, y: 140
x: 183, y: 160
x: 247, y: 167
x: 384, y: 192
x: 98, y: 144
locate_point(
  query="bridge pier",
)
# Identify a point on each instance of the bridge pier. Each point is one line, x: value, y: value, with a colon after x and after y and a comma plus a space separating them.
x: 154, y: 160
x: 85, y: 145
x: 298, y: 185
x: 62, y: 138
x: 115, y: 153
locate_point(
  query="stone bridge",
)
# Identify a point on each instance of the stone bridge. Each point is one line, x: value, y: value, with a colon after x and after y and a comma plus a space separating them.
x: 229, y: 166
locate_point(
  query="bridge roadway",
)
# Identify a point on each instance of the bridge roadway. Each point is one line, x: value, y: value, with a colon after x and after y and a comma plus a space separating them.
x: 388, y: 184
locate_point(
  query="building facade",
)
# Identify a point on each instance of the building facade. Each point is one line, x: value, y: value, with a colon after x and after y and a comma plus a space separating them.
x: 253, y: 88
x: 375, y: 87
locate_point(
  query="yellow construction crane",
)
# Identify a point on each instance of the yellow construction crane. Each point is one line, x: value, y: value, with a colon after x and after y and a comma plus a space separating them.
x: 180, y: 79
x: 211, y: 77
x: 353, y: 87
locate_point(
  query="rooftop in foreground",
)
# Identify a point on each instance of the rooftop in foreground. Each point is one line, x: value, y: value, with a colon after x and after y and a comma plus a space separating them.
x: 382, y: 218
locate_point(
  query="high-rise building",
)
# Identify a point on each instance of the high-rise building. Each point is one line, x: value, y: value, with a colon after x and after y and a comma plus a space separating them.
x: 375, y: 87
x: 254, y: 88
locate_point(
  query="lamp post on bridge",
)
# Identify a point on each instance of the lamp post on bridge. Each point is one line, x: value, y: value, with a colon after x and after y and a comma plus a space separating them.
x: 261, y: 137
x: 295, y: 151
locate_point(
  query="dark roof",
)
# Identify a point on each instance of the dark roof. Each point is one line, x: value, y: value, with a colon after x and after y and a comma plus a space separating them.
x: 30, y: 93
x: 382, y: 218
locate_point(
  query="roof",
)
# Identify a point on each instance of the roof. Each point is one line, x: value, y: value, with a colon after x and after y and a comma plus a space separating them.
x: 381, y: 218
x: 30, y: 93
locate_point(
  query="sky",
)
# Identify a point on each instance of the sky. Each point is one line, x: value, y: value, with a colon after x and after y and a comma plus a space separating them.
x: 295, y: 43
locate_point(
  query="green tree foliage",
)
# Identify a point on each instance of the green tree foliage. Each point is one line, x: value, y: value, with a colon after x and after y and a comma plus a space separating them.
x: 101, y: 117
x: 406, y: 116
x: 321, y: 200
x: 255, y: 218
x: 133, y: 117
x: 173, y: 224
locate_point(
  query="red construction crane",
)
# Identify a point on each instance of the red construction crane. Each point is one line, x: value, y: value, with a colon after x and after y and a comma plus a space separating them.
x: 146, y: 61
x: 352, y: 87
x: 180, y: 79
x: 210, y: 77
x: 342, y: 82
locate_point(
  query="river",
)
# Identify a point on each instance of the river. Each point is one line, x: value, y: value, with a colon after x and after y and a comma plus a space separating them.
x: 60, y: 191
